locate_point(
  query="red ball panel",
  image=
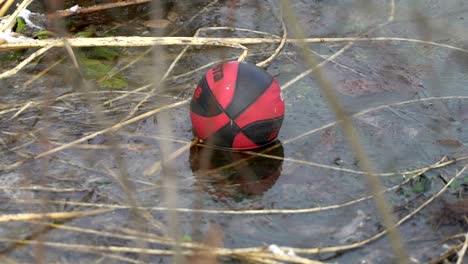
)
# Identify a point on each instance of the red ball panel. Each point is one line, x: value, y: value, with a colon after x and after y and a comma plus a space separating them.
x: 268, y: 106
x: 241, y: 141
x: 207, y: 126
x: 222, y: 82
x: 264, y: 131
x: 251, y: 83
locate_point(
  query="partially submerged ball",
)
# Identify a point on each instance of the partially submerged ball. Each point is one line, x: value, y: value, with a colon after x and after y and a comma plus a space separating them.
x: 237, y: 105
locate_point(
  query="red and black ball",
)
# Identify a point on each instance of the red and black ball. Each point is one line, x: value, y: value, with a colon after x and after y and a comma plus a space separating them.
x: 237, y: 105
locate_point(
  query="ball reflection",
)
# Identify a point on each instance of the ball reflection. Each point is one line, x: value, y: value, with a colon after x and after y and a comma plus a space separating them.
x: 236, y: 174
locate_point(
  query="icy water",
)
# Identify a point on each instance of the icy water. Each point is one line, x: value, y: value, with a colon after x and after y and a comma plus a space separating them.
x: 423, y: 88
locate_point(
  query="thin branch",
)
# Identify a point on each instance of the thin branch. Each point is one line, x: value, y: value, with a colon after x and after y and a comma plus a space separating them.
x: 96, y: 8
x: 201, y: 41
x: 461, y: 253
x: 353, y: 139
x: 57, y: 215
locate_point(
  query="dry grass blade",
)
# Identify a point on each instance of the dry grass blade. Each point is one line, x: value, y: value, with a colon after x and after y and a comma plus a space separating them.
x: 11, y: 20
x: 140, y: 89
x: 96, y: 8
x: 146, y: 237
x: 280, y: 47
x: 202, y: 41
x: 379, y: 235
x: 169, y: 175
x: 155, y: 111
x: 95, y: 249
x: 442, y: 258
x: 42, y: 73
x: 157, y: 165
x: 4, y: 6
x: 462, y: 252
x: 42, y: 188
x: 21, y: 110
x: 21, y: 65
x: 352, y: 138
x: 373, y: 109
x: 104, y: 131
x: 314, y: 68
x: 168, y: 71
x: 55, y: 216
x: 255, y: 252
x: 419, y: 172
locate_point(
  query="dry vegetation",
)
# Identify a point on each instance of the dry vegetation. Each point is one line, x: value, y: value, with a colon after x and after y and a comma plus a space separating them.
x: 33, y: 153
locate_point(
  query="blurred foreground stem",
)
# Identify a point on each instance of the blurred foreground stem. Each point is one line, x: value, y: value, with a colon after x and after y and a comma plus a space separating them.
x: 351, y: 136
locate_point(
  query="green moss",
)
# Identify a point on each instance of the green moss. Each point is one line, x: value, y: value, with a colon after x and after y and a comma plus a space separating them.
x: 94, y: 69
x: 20, y: 25
x: 108, y: 53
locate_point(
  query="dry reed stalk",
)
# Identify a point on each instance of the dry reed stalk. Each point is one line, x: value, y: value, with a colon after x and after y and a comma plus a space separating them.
x: 97, y: 8
x: 439, y: 164
x: 167, y: 71
x: 443, y: 257
x: 226, y: 42
x: 461, y: 253
x: 5, y: 4
x: 11, y: 20
x: 379, y: 235
x: 25, y: 62
x: 207, y: 41
x: 122, y: 175
x: 169, y: 176
x: 118, y: 126
x: 259, y: 257
x: 256, y: 252
x: 56, y: 216
x: 353, y: 139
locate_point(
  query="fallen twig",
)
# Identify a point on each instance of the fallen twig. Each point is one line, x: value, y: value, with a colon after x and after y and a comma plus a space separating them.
x: 57, y: 215
x: 96, y: 8
x: 200, y: 41
x: 461, y: 253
